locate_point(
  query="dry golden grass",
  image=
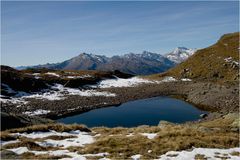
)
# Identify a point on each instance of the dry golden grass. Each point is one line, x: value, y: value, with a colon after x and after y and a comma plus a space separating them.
x: 170, y: 137
x: 222, y: 157
x: 125, y: 131
x: 235, y: 154
x: 5, y: 136
x: 178, y: 137
x: 227, y: 121
x: 46, y: 127
x: 30, y: 144
x: 54, y: 137
x: 200, y: 157
x: 29, y: 155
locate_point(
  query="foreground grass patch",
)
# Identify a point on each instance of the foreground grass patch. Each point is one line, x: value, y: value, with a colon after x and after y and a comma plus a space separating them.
x: 170, y: 138
x: 122, y: 143
x: 46, y: 127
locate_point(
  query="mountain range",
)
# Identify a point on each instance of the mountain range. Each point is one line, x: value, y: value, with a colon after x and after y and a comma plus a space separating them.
x: 138, y: 64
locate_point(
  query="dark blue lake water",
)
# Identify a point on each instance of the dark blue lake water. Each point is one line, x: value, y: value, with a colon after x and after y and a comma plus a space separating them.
x: 140, y: 112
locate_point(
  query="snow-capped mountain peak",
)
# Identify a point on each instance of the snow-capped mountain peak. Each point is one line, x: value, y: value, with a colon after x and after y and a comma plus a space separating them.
x: 100, y: 58
x: 180, y: 54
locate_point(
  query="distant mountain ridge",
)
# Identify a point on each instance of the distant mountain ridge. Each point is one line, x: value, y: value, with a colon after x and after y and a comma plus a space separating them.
x: 139, y: 64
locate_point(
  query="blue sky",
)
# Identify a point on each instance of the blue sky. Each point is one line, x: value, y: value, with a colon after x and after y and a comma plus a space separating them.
x: 41, y: 32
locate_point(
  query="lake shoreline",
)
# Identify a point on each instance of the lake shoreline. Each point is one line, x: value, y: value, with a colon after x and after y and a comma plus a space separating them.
x: 206, y: 96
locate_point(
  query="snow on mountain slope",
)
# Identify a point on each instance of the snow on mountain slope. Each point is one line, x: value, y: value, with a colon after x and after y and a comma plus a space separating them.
x: 180, y: 54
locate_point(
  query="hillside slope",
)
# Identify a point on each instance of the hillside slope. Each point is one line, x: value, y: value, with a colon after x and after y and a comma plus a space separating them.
x: 34, y: 80
x: 219, y: 62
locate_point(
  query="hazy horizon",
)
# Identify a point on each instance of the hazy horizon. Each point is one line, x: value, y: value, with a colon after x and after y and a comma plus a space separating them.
x: 49, y: 32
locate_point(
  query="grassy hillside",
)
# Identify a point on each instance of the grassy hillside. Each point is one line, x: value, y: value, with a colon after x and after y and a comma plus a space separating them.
x: 218, y: 62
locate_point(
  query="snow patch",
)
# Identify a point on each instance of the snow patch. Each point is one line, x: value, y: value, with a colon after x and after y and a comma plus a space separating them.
x: 74, y: 155
x: 57, y: 92
x: 80, y: 139
x: 132, y: 82
x: 13, y: 101
x: 168, y: 79
x: 83, y: 76
x: 149, y: 135
x: 230, y: 60
x: 36, y: 74
x: 8, y: 142
x: 121, y: 82
x: 37, y: 112
x: 104, y: 158
x: 65, y: 152
x: 51, y: 95
x: 186, y: 79
x: 136, y: 157
x: 19, y: 150
x: 130, y: 135
x: 73, y: 91
x: 52, y: 74
x: 40, y: 134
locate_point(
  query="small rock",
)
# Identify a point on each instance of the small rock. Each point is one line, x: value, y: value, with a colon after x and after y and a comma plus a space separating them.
x: 234, y: 129
x: 216, y: 129
x: 204, y: 129
x: 203, y: 115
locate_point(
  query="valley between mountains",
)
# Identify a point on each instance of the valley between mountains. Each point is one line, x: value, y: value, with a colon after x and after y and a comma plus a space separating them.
x: 32, y: 99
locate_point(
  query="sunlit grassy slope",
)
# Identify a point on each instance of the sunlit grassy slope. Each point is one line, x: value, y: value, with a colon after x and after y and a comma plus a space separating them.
x: 218, y: 62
